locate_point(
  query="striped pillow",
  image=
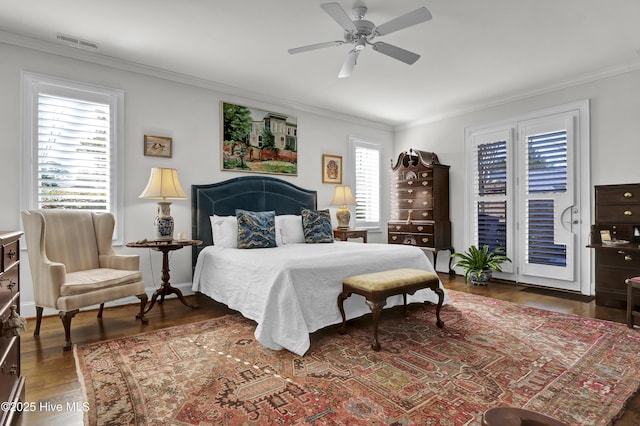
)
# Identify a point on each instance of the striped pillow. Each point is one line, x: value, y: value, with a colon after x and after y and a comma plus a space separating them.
x: 317, y: 226
x: 256, y: 229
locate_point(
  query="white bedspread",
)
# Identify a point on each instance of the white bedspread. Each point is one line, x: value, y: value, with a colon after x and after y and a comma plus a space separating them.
x: 292, y: 290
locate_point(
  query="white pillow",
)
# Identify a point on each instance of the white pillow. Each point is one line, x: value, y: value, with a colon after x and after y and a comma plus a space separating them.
x: 290, y: 228
x: 224, y: 230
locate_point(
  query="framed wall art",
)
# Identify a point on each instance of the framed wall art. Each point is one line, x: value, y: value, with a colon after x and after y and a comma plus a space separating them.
x: 331, y: 169
x: 157, y: 146
x: 254, y: 140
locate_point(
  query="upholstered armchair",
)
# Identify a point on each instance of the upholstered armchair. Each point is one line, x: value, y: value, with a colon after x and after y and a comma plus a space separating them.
x: 73, y: 264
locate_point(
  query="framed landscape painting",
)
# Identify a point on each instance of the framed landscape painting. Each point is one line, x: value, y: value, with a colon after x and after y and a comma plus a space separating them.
x: 254, y: 140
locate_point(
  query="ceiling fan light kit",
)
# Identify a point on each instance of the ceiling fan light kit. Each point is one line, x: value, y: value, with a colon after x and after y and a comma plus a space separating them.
x: 360, y: 33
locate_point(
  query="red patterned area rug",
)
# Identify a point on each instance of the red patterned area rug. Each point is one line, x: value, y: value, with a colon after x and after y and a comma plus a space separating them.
x: 490, y: 353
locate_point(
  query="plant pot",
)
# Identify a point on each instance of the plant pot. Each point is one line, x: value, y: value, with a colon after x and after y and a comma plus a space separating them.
x: 482, y: 278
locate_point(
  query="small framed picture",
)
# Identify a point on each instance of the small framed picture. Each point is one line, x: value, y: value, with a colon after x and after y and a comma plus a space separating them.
x: 157, y: 146
x: 605, y: 235
x: 331, y: 169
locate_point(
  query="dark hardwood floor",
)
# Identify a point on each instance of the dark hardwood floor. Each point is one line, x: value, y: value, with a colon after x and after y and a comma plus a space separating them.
x: 51, y: 373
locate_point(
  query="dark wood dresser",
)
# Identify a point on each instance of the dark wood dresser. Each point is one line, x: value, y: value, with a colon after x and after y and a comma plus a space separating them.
x: 420, y: 203
x: 617, y: 210
x: 11, y: 382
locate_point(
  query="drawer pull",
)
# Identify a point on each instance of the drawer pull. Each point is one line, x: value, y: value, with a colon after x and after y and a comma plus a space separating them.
x: 394, y: 238
x: 425, y: 240
x: 420, y: 228
x: 12, y: 254
x: 628, y: 258
x: 425, y: 183
x: 628, y: 212
x: 410, y: 182
x: 628, y: 195
x: 410, y: 191
x: 425, y: 214
x: 410, y: 201
x: 425, y: 174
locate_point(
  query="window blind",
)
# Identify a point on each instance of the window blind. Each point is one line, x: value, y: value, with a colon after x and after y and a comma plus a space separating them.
x: 367, y: 185
x: 546, y: 174
x: 491, y: 191
x: 547, y: 163
x: 74, y: 154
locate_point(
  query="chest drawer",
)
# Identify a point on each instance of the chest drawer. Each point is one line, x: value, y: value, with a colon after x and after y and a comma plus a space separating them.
x: 9, y: 367
x: 619, y: 213
x: 618, y: 258
x: 411, y: 214
x: 10, y: 255
x: 420, y: 240
x: 8, y: 288
x: 618, y: 194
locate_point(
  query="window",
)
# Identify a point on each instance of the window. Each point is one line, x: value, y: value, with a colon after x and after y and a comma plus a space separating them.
x: 72, y: 136
x: 366, y: 182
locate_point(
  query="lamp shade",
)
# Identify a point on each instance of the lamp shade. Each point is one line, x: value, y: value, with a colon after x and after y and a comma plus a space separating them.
x: 342, y: 196
x: 163, y: 185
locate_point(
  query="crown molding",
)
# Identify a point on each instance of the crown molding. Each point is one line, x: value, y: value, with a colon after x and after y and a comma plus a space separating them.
x: 565, y: 84
x: 224, y: 89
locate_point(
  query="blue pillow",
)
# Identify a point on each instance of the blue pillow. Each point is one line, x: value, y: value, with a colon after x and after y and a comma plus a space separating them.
x: 316, y: 225
x: 256, y: 229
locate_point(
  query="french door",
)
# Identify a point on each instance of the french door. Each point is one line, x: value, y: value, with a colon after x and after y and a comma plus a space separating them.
x: 526, y: 195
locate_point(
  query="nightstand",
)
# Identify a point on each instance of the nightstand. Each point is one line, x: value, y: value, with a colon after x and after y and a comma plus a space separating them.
x: 344, y: 234
x: 165, y: 246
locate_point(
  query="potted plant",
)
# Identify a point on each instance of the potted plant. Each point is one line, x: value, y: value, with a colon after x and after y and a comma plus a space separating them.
x: 479, y: 264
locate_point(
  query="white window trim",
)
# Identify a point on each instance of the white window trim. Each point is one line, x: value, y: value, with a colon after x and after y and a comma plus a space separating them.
x: 355, y: 142
x: 32, y: 84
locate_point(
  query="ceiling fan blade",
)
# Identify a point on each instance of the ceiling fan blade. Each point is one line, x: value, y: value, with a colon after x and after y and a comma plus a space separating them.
x: 339, y: 15
x: 315, y: 46
x: 349, y: 64
x: 396, y: 52
x: 412, y: 18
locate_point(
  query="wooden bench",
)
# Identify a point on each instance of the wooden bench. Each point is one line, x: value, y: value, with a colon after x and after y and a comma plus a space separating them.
x: 377, y: 286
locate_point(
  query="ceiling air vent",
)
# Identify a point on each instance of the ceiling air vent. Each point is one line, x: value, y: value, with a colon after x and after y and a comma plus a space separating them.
x: 77, y: 42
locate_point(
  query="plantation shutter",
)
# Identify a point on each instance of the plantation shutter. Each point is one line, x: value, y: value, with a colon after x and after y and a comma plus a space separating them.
x: 546, y: 175
x: 490, y: 181
x: 367, y: 183
x: 74, y: 154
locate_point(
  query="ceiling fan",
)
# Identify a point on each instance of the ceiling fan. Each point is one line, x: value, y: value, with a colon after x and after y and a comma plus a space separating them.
x: 360, y: 32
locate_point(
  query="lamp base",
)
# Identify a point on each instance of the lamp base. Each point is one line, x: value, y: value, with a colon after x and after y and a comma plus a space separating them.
x: 163, y: 224
x: 344, y: 216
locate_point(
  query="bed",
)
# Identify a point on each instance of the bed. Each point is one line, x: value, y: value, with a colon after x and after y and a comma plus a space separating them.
x: 289, y: 290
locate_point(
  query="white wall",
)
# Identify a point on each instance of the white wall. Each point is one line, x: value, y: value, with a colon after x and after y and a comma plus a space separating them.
x: 615, y: 145
x: 190, y: 114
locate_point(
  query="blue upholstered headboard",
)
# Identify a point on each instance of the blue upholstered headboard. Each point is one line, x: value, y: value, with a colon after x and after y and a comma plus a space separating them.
x: 254, y: 193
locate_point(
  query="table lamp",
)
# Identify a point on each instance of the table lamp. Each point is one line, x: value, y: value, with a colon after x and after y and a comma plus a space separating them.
x: 163, y: 185
x: 342, y: 197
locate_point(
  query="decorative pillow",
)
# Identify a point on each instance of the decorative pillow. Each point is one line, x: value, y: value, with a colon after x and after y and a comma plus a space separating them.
x: 256, y: 229
x: 290, y: 227
x: 317, y: 226
x: 224, y: 230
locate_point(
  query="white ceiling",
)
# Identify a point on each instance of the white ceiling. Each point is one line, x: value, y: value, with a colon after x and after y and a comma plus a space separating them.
x: 474, y: 53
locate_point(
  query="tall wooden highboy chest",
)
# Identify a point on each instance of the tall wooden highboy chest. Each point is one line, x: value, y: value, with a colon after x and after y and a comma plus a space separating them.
x: 420, y: 203
x: 11, y: 382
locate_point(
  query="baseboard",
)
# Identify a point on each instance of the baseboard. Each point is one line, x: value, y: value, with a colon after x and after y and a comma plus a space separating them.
x: 28, y: 309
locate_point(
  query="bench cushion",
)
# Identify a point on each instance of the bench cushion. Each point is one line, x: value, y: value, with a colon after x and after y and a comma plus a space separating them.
x: 385, y: 280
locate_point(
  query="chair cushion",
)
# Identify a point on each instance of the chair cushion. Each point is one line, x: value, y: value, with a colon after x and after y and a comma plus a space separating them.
x: 95, y: 279
x: 394, y: 278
